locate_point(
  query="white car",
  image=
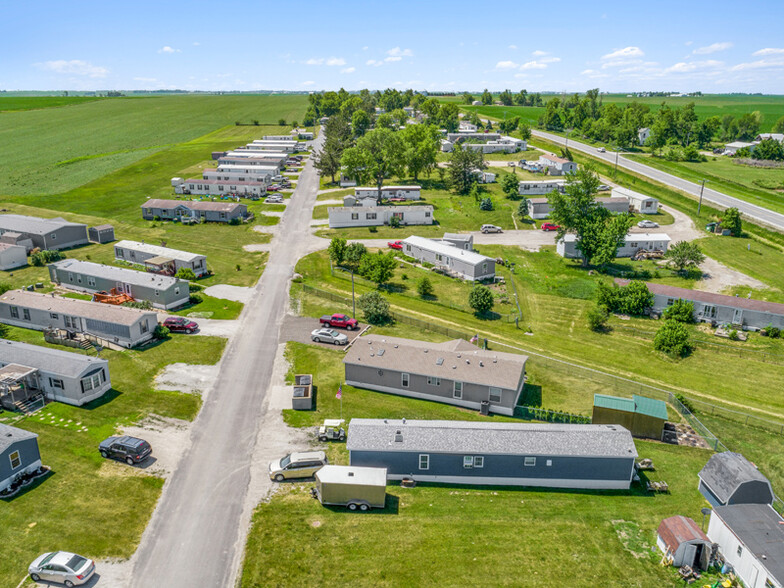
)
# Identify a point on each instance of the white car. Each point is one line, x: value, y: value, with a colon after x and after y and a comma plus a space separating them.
x: 328, y: 336
x: 648, y: 224
x: 601, y: 150
x: 491, y: 229
x: 274, y: 200
x: 62, y: 567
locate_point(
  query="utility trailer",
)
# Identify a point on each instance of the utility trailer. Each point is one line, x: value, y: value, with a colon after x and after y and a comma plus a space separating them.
x: 356, y: 488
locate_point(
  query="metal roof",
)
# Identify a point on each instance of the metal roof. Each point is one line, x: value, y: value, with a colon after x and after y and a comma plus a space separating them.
x: 338, y: 474
x: 193, y: 205
x: 10, y: 435
x: 679, y: 529
x: 119, y: 315
x: 34, y: 225
x: 444, y: 248
x: 460, y: 360
x: 761, y: 530
x: 158, y: 250
x: 117, y: 274
x: 726, y: 471
x: 613, y: 402
x: 650, y: 407
x: 65, y: 363
x: 629, y: 194
x: 491, y: 438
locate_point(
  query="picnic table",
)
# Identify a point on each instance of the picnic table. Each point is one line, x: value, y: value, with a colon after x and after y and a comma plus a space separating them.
x: 658, y: 487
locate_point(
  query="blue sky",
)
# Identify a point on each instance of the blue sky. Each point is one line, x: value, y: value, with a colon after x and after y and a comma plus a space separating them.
x: 565, y: 46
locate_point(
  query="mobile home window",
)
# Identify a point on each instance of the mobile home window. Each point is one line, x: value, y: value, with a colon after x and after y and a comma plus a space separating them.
x: 484, y: 267
x: 354, y: 216
x: 15, y: 460
x: 457, y: 390
x: 91, y: 281
x: 479, y: 461
x: 424, y: 462
x: 740, y: 550
x: 370, y: 216
x: 468, y: 461
x: 14, y: 312
x: 56, y: 383
x: 87, y: 384
x: 495, y: 395
x: 433, y: 381
x: 670, y: 301
x: 404, y: 380
x: 176, y: 290
x: 26, y: 314
x: 53, y: 315
x: 70, y: 276
x: 529, y: 461
x: 427, y: 214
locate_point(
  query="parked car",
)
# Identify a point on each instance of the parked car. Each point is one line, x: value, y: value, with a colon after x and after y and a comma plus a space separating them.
x: 510, y: 164
x: 339, y: 320
x: 491, y: 229
x: 131, y: 450
x: 62, y: 567
x: 297, y: 465
x: 601, y: 150
x: 395, y: 244
x: 550, y: 227
x: 273, y: 200
x: 178, y: 324
x: 332, y: 430
x: 328, y: 336
x: 273, y: 188
x: 648, y: 224
x: 277, y: 178
x: 603, y: 187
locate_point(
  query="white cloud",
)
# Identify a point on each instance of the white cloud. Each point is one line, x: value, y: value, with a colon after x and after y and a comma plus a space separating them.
x: 768, y: 51
x: 549, y: 60
x: 625, y: 53
x: 167, y: 49
x: 314, y: 61
x: 692, y: 66
x: 506, y: 65
x: 196, y: 43
x: 533, y: 65
x: 398, y: 52
x: 147, y: 80
x: 774, y: 63
x: 715, y: 47
x: 348, y: 70
x: 512, y: 46
x: 539, y: 53
x: 393, y: 58
x: 332, y: 61
x: 374, y: 62
x: 75, y: 67
x: 688, y: 43
x: 309, y: 83
x: 365, y: 48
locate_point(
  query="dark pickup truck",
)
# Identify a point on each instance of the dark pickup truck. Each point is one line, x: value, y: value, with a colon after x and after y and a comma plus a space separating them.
x: 339, y: 320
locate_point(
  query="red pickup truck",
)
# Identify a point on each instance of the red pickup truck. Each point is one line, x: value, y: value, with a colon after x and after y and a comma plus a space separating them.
x: 339, y: 320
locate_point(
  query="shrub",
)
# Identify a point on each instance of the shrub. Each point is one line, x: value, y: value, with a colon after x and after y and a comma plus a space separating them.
x: 681, y: 311
x: 733, y: 335
x: 732, y: 221
x: 45, y: 256
x: 195, y: 299
x: 597, y: 318
x: 140, y: 304
x: 394, y: 222
x: 238, y: 267
x: 673, y: 338
x: 404, y: 277
x: 480, y: 298
x: 486, y: 204
x: 235, y: 221
x: 772, y: 332
x: 633, y: 298
x: 685, y: 402
x: 185, y: 273
x: 282, y: 122
x: 375, y: 308
x: 425, y: 287
x: 161, y: 332
x: 156, y: 218
x: 195, y: 287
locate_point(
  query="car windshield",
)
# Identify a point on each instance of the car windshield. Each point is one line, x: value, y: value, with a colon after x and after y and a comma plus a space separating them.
x: 76, y: 563
x: 333, y: 333
x: 285, y: 461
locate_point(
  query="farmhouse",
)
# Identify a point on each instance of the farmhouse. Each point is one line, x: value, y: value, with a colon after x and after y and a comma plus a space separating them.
x: 557, y: 166
x: 515, y: 454
x: 219, y: 212
x: 455, y: 261
x: 751, y: 539
x: 643, y: 134
x: 644, y: 417
x: 160, y: 259
x: 376, y: 216
x: 466, y: 127
x: 72, y: 378
x: 161, y: 291
x: 719, y: 309
x: 12, y: 256
x: 202, y: 187
x: 639, y: 202
x: 407, y: 192
x: 679, y: 537
x: 126, y: 327
x: 19, y: 454
x: 735, y: 146
x: 729, y: 478
x: 45, y: 233
x: 632, y: 243
x: 454, y: 372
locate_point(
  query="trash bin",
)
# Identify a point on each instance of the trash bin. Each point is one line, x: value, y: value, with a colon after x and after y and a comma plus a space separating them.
x: 484, y: 408
x: 485, y: 344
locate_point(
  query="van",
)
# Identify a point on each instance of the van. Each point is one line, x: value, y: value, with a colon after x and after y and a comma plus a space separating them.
x: 297, y: 465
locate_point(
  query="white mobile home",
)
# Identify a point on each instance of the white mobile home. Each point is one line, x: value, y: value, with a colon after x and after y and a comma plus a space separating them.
x: 202, y: 187
x: 264, y: 179
x: 462, y: 263
x: 541, y: 206
x: 251, y: 170
x: 407, y: 192
x: 12, y: 256
x: 160, y: 259
x: 283, y: 146
x: 639, y: 202
x: 633, y: 242
x: 376, y: 216
x: 540, y: 187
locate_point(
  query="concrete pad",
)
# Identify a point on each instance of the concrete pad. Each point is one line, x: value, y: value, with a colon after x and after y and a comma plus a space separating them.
x: 319, y: 222
x: 236, y: 293
x: 278, y: 213
x: 257, y: 247
x: 271, y: 229
x: 169, y: 439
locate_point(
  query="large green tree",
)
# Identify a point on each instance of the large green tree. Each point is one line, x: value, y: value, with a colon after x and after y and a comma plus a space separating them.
x: 420, y: 144
x: 511, y: 186
x: 685, y: 253
x: 769, y: 149
x: 463, y: 164
x: 378, y: 267
x: 733, y: 222
x: 360, y: 122
x: 480, y: 298
x: 378, y: 155
x: 487, y: 97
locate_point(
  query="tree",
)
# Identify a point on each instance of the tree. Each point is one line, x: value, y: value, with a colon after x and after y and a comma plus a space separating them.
x: 733, y: 222
x: 480, y: 298
x: 522, y: 207
x: 385, y: 121
x: 399, y: 116
x: 597, y: 318
x: 511, y: 186
x: 598, y: 232
x: 769, y: 149
x: 681, y: 311
x: 360, y: 122
x: 425, y: 287
x: 463, y: 164
x: 486, y: 204
x: 375, y: 308
x: 634, y: 298
x: 354, y: 253
x: 779, y: 126
x: 525, y: 132
x: 673, y: 338
x: 506, y: 98
x: 327, y: 161
x: 468, y: 98
x: 421, y: 146
x: 377, y: 268
x: 684, y: 254
x: 448, y: 116
x: 337, y: 250
x: 487, y: 98
x: 377, y: 155
x: 185, y: 273
x: 282, y: 122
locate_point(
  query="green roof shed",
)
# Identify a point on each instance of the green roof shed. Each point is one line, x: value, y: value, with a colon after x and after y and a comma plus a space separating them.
x: 644, y: 417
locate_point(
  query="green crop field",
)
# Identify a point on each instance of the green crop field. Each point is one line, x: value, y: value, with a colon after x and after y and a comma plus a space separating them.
x: 9, y: 103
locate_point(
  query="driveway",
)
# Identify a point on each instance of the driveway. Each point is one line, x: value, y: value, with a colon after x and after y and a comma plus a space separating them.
x: 682, y: 228
x: 298, y: 328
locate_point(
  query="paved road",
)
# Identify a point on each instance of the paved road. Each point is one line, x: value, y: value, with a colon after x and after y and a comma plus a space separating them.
x: 760, y: 214
x: 196, y: 537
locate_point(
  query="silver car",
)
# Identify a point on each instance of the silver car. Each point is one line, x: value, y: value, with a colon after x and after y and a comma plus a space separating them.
x: 328, y: 336
x: 62, y: 567
x: 647, y: 224
x: 491, y: 229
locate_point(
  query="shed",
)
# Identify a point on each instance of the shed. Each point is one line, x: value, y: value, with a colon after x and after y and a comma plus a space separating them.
x: 729, y: 478
x: 101, y: 234
x: 644, y: 417
x: 19, y: 454
x: 346, y: 485
x: 12, y: 256
x: 681, y: 538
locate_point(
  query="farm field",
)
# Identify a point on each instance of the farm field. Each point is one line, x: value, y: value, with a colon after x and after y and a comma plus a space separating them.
x: 83, y: 486
x: 10, y: 103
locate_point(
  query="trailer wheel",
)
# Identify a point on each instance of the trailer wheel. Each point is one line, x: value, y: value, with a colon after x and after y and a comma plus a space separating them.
x: 364, y: 507
x: 352, y: 506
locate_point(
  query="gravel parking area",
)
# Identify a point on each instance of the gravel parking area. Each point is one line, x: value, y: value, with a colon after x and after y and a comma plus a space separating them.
x: 298, y: 328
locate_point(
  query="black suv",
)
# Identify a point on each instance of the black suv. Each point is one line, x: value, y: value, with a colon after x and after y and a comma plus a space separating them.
x: 128, y: 449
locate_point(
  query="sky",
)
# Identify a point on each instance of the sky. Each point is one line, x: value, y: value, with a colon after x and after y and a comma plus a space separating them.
x: 713, y: 47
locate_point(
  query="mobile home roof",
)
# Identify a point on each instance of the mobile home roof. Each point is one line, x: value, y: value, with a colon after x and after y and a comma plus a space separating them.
x: 445, y: 249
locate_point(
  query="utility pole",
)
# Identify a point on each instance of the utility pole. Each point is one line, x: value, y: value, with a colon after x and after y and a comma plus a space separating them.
x: 353, y: 301
x: 702, y: 188
x: 617, y: 152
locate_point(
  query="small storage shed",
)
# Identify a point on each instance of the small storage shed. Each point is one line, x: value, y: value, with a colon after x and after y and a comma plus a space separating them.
x: 101, y: 234
x: 352, y: 486
x: 680, y: 538
x: 730, y: 478
x: 12, y: 256
x: 644, y: 417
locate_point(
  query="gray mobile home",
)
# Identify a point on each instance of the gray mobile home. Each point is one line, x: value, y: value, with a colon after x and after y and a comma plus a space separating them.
x: 718, y: 309
x: 12, y: 256
x: 455, y: 372
x: 219, y: 212
x: 729, y: 478
x: 456, y: 261
x: 541, y: 206
x: 45, y: 233
x: 632, y: 243
x: 164, y: 292
x: 125, y: 327
x: 101, y: 234
x: 64, y: 376
x: 160, y: 259
x: 407, y: 192
x: 19, y: 454
x: 596, y: 457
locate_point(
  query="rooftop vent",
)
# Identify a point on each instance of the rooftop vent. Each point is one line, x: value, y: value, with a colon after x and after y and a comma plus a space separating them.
x: 481, y: 364
x: 468, y: 361
x: 398, y: 436
x: 454, y: 367
x: 404, y: 421
x: 380, y: 352
x: 458, y: 356
x: 395, y: 346
x: 426, y: 350
x: 440, y: 361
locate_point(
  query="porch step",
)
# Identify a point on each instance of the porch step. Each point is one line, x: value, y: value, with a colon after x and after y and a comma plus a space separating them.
x: 30, y: 405
x: 86, y: 344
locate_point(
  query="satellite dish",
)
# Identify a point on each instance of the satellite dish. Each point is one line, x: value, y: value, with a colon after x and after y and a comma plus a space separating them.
x: 705, y: 511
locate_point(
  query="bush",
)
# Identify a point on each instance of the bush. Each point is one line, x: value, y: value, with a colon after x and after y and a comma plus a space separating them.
x: 45, y: 256
x: 681, y: 311
x: 140, y: 304
x: 486, y: 204
x: 597, y: 318
x: 772, y: 332
x: 733, y: 222
x: 235, y: 221
x: 685, y: 402
x: 185, y: 273
x: 282, y: 122
x: 480, y: 298
x: 425, y: 287
x: 375, y: 308
x: 195, y: 287
x: 673, y: 338
x: 633, y: 298
x: 733, y: 335
x: 195, y: 299
x: 161, y: 332
x: 394, y: 222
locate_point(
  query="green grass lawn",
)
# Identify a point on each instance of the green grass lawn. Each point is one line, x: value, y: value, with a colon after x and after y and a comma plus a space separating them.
x: 752, y: 257
x: 90, y: 505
